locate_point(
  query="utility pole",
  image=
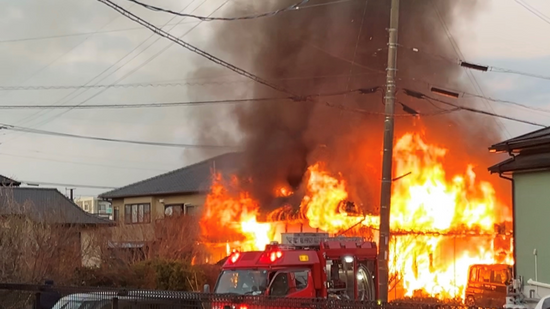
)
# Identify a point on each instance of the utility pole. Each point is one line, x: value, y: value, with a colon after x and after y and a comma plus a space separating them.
x: 385, y: 194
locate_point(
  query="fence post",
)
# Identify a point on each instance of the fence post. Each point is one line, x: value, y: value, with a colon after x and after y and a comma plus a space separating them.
x: 37, y: 300
x: 114, y: 303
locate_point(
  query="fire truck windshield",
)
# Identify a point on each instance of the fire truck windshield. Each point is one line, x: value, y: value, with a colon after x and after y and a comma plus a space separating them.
x: 242, y: 282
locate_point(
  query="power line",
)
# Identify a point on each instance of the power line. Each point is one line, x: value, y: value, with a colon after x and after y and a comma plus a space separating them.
x: 207, y: 18
x: 534, y: 11
x: 191, y: 47
x: 139, y: 105
x: 60, y: 134
x: 68, y: 35
x: 477, y: 67
x: 165, y: 165
x: 189, y: 103
x: 169, y: 84
x: 80, y: 163
x: 34, y: 116
x: 111, y: 66
x: 459, y: 53
x: 465, y: 94
x: 419, y: 95
x: 36, y: 183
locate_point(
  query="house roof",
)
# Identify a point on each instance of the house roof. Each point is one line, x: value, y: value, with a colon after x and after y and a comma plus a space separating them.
x: 530, y: 140
x: 190, y: 179
x: 5, y: 181
x: 44, y: 205
x: 522, y: 162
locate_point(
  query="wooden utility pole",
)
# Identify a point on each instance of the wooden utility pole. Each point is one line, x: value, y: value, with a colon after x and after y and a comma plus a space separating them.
x: 385, y: 196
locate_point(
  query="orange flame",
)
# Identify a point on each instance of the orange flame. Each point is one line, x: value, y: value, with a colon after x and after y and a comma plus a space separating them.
x: 440, y: 225
x: 283, y: 192
x: 234, y: 215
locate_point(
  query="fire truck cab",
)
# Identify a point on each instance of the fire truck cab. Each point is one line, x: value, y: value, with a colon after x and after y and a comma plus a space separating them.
x: 304, y: 265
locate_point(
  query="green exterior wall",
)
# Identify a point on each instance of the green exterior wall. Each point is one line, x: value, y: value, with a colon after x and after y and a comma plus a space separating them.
x: 532, y: 224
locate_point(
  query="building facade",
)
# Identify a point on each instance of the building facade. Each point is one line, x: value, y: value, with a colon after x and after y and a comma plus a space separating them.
x: 96, y: 206
x: 145, y: 210
x: 528, y: 169
x: 74, y: 236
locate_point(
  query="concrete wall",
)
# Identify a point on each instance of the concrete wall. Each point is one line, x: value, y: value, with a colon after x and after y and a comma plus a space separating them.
x: 532, y: 217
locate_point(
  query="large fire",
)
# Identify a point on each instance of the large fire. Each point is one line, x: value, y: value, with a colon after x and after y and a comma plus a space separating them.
x: 440, y: 225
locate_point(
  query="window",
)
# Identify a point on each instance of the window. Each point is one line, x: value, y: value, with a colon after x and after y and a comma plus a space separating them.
x: 279, y: 285
x: 137, y: 213
x: 500, y: 276
x: 485, y: 274
x: 242, y: 282
x: 190, y: 209
x: 301, y: 279
x: 173, y: 210
x: 474, y: 274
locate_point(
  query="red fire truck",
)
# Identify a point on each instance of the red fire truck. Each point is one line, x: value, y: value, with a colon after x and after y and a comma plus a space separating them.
x: 304, y: 265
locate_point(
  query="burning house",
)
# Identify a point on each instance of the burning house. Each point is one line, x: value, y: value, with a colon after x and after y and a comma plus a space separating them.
x: 315, y: 165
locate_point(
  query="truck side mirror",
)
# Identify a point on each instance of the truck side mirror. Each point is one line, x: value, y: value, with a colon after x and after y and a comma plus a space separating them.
x: 206, y: 288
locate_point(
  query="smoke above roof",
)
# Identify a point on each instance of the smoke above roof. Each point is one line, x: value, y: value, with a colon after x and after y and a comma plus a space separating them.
x: 338, y: 47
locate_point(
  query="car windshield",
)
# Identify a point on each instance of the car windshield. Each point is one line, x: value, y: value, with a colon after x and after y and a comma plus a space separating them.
x: 242, y: 282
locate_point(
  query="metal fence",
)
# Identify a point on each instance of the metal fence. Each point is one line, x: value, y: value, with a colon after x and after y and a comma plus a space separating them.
x: 23, y: 296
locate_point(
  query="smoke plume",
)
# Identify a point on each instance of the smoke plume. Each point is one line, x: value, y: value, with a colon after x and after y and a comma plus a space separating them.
x: 337, y: 47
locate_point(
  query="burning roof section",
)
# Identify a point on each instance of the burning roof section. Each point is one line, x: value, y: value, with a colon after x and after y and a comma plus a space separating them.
x: 191, y: 179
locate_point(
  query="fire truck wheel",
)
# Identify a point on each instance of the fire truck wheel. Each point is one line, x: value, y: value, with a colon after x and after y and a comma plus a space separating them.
x: 365, y: 284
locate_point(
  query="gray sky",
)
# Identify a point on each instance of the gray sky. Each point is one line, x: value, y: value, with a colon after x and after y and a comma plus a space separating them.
x: 111, y: 49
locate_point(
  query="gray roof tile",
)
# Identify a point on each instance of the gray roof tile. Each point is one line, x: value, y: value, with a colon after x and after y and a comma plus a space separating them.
x: 530, y: 140
x: 190, y: 179
x: 44, y: 205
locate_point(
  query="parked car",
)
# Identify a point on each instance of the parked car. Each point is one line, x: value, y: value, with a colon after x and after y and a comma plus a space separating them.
x: 487, y: 285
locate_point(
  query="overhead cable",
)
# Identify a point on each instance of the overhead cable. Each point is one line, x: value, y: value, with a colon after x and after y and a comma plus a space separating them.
x: 464, y: 94
x: 169, y: 84
x: 138, y: 105
x: 189, y: 103
x: 459, y: 53
x: 80, y: 163
x: 75, y: 34
x: 419, y: 95
x: 475, y: 66
x: 104, y: 139
x: 534, y: 11
x: 113, y: 65
x: 207, y: 18
x: 190, y: 47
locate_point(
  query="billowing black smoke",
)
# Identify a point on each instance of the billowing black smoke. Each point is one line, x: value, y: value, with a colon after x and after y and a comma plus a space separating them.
x: 337, y: 47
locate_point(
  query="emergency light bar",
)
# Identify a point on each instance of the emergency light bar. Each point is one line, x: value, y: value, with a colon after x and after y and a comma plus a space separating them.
x: 312, y: 239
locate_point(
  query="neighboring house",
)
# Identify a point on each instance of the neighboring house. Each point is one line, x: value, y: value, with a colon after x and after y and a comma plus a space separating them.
x: 528, y: 168
x: 51, y: 211
x: 141, y: 208
x: 96, y: 206
x: 7, y: 182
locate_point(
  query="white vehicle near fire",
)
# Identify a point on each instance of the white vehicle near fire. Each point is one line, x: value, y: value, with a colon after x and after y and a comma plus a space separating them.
x: 527, y: 295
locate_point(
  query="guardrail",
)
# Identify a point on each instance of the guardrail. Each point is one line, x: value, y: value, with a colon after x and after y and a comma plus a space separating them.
x: 22, y: 296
